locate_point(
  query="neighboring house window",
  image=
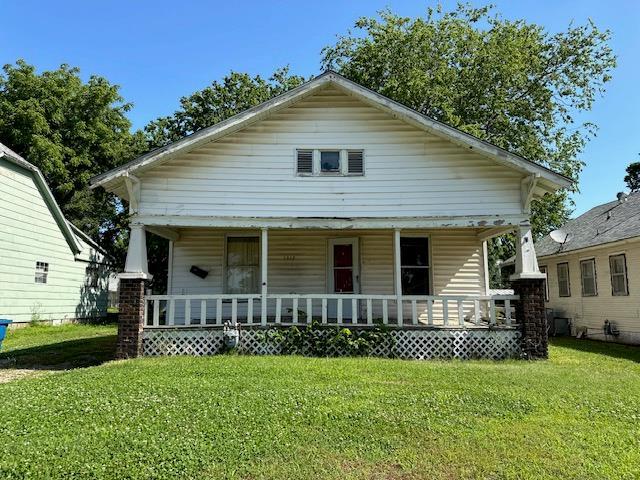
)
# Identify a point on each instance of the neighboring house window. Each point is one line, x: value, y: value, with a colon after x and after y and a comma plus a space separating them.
x: 588, y: 277
x: 618, y: 266
x: 335, y: 162
x: 42, y: 271
x: 243, y: 264
x: 92, y: 276
x: 564, y: 286
x: 414, y: 261
x: 546, y: 283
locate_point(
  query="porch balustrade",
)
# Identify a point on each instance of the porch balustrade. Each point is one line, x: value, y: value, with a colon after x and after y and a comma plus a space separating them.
x: 184, y: 311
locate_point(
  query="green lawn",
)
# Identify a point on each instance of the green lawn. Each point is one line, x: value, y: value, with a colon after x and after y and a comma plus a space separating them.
x: 574, y: 416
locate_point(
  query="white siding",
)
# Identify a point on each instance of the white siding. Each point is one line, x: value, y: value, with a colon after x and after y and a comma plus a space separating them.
x: 298, y: 261
x: 408, y: 172
x: 591, y: 312
x: 29, y: 233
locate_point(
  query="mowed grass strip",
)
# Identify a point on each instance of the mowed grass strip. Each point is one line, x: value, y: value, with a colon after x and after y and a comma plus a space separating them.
x: 574, y: 416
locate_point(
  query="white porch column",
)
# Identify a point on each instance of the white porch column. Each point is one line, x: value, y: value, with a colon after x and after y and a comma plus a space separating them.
x: 136, y: 263
x: 526, y: 260
x: 132, y: 302
x: 485, y: 266
x: 397, y: 273
x: 264, y: 256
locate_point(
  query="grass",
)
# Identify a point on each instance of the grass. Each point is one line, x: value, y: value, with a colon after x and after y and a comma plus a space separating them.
x: 574, y: 416
x: 65, y: 346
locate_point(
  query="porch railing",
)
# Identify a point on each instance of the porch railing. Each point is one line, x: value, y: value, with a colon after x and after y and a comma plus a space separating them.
x: 338, y: 309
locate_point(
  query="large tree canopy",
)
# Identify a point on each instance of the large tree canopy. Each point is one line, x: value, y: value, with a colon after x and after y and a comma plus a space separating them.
x: 511, y: 83
x: 508, y: 82
x: 71, y: 130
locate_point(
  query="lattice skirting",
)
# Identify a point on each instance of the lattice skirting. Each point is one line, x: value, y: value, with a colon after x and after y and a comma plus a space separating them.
x: 406, y: 344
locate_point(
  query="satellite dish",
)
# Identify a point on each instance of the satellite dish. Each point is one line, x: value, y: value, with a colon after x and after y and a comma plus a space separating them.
x: 559, y: 236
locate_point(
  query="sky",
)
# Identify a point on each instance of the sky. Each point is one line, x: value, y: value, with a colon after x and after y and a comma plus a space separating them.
x: 159, y: 51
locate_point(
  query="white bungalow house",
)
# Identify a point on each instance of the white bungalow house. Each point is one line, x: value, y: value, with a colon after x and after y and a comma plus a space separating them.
x: 49, y: 269
x: 330, y: 203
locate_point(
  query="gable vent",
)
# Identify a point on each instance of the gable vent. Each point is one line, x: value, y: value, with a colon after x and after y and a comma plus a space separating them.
x: 356, y: 162
x: 305, y: 161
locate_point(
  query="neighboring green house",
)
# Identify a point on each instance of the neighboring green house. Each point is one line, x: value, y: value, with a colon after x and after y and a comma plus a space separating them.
x: 49, y: 269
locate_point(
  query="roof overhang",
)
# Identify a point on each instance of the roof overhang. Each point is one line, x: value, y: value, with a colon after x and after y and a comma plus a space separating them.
x: 549, y: 180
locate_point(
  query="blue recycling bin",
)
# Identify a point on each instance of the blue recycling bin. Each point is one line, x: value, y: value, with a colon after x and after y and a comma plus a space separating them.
x: 4, y: 323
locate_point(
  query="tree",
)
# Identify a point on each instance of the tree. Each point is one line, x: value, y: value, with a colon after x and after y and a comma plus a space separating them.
x: 71, y: 130
x: 235, y: 93
x: 632, y: 178
x: 508, y: 82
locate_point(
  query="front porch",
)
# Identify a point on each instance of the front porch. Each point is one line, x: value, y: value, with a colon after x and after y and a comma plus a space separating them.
x: 426, y: 287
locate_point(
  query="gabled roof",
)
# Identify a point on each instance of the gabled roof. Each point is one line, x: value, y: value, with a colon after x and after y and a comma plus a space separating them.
x: 607, y: 223
x: 548, y: 180
x: 70, y: 231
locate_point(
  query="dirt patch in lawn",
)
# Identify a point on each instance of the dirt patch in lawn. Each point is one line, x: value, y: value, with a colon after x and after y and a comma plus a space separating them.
x: 9, y: 375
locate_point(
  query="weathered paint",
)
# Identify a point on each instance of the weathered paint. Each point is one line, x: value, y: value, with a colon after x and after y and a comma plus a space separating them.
x: 409, y: 172
x: 297, y: 261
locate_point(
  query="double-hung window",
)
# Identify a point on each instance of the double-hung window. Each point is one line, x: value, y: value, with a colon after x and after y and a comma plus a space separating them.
x: 243, y: 264
x: 588, y: 278
x: 618, y: 267
x: 414, y: 265
x: 42, y: 272
x: 564, y: 285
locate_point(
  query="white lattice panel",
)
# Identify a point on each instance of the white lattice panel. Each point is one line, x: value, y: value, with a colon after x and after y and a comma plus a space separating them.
x: 407, y: 344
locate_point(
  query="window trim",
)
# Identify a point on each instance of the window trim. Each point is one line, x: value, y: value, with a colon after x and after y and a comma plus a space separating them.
x: 225, y: 266
x: 545, y: 270
x: 316, y: 169
x: 41, y: 273
x: 568, y: 279
x: 429, y: 258
x: 595, y: 277
x: 626, y: 275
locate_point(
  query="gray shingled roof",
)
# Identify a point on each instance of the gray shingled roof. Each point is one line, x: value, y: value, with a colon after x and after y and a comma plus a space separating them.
x: 605, y: 223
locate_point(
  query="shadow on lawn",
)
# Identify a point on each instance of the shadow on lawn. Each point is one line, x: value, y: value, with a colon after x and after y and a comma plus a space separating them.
x: 615, y: 350
x: 67, y: 355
